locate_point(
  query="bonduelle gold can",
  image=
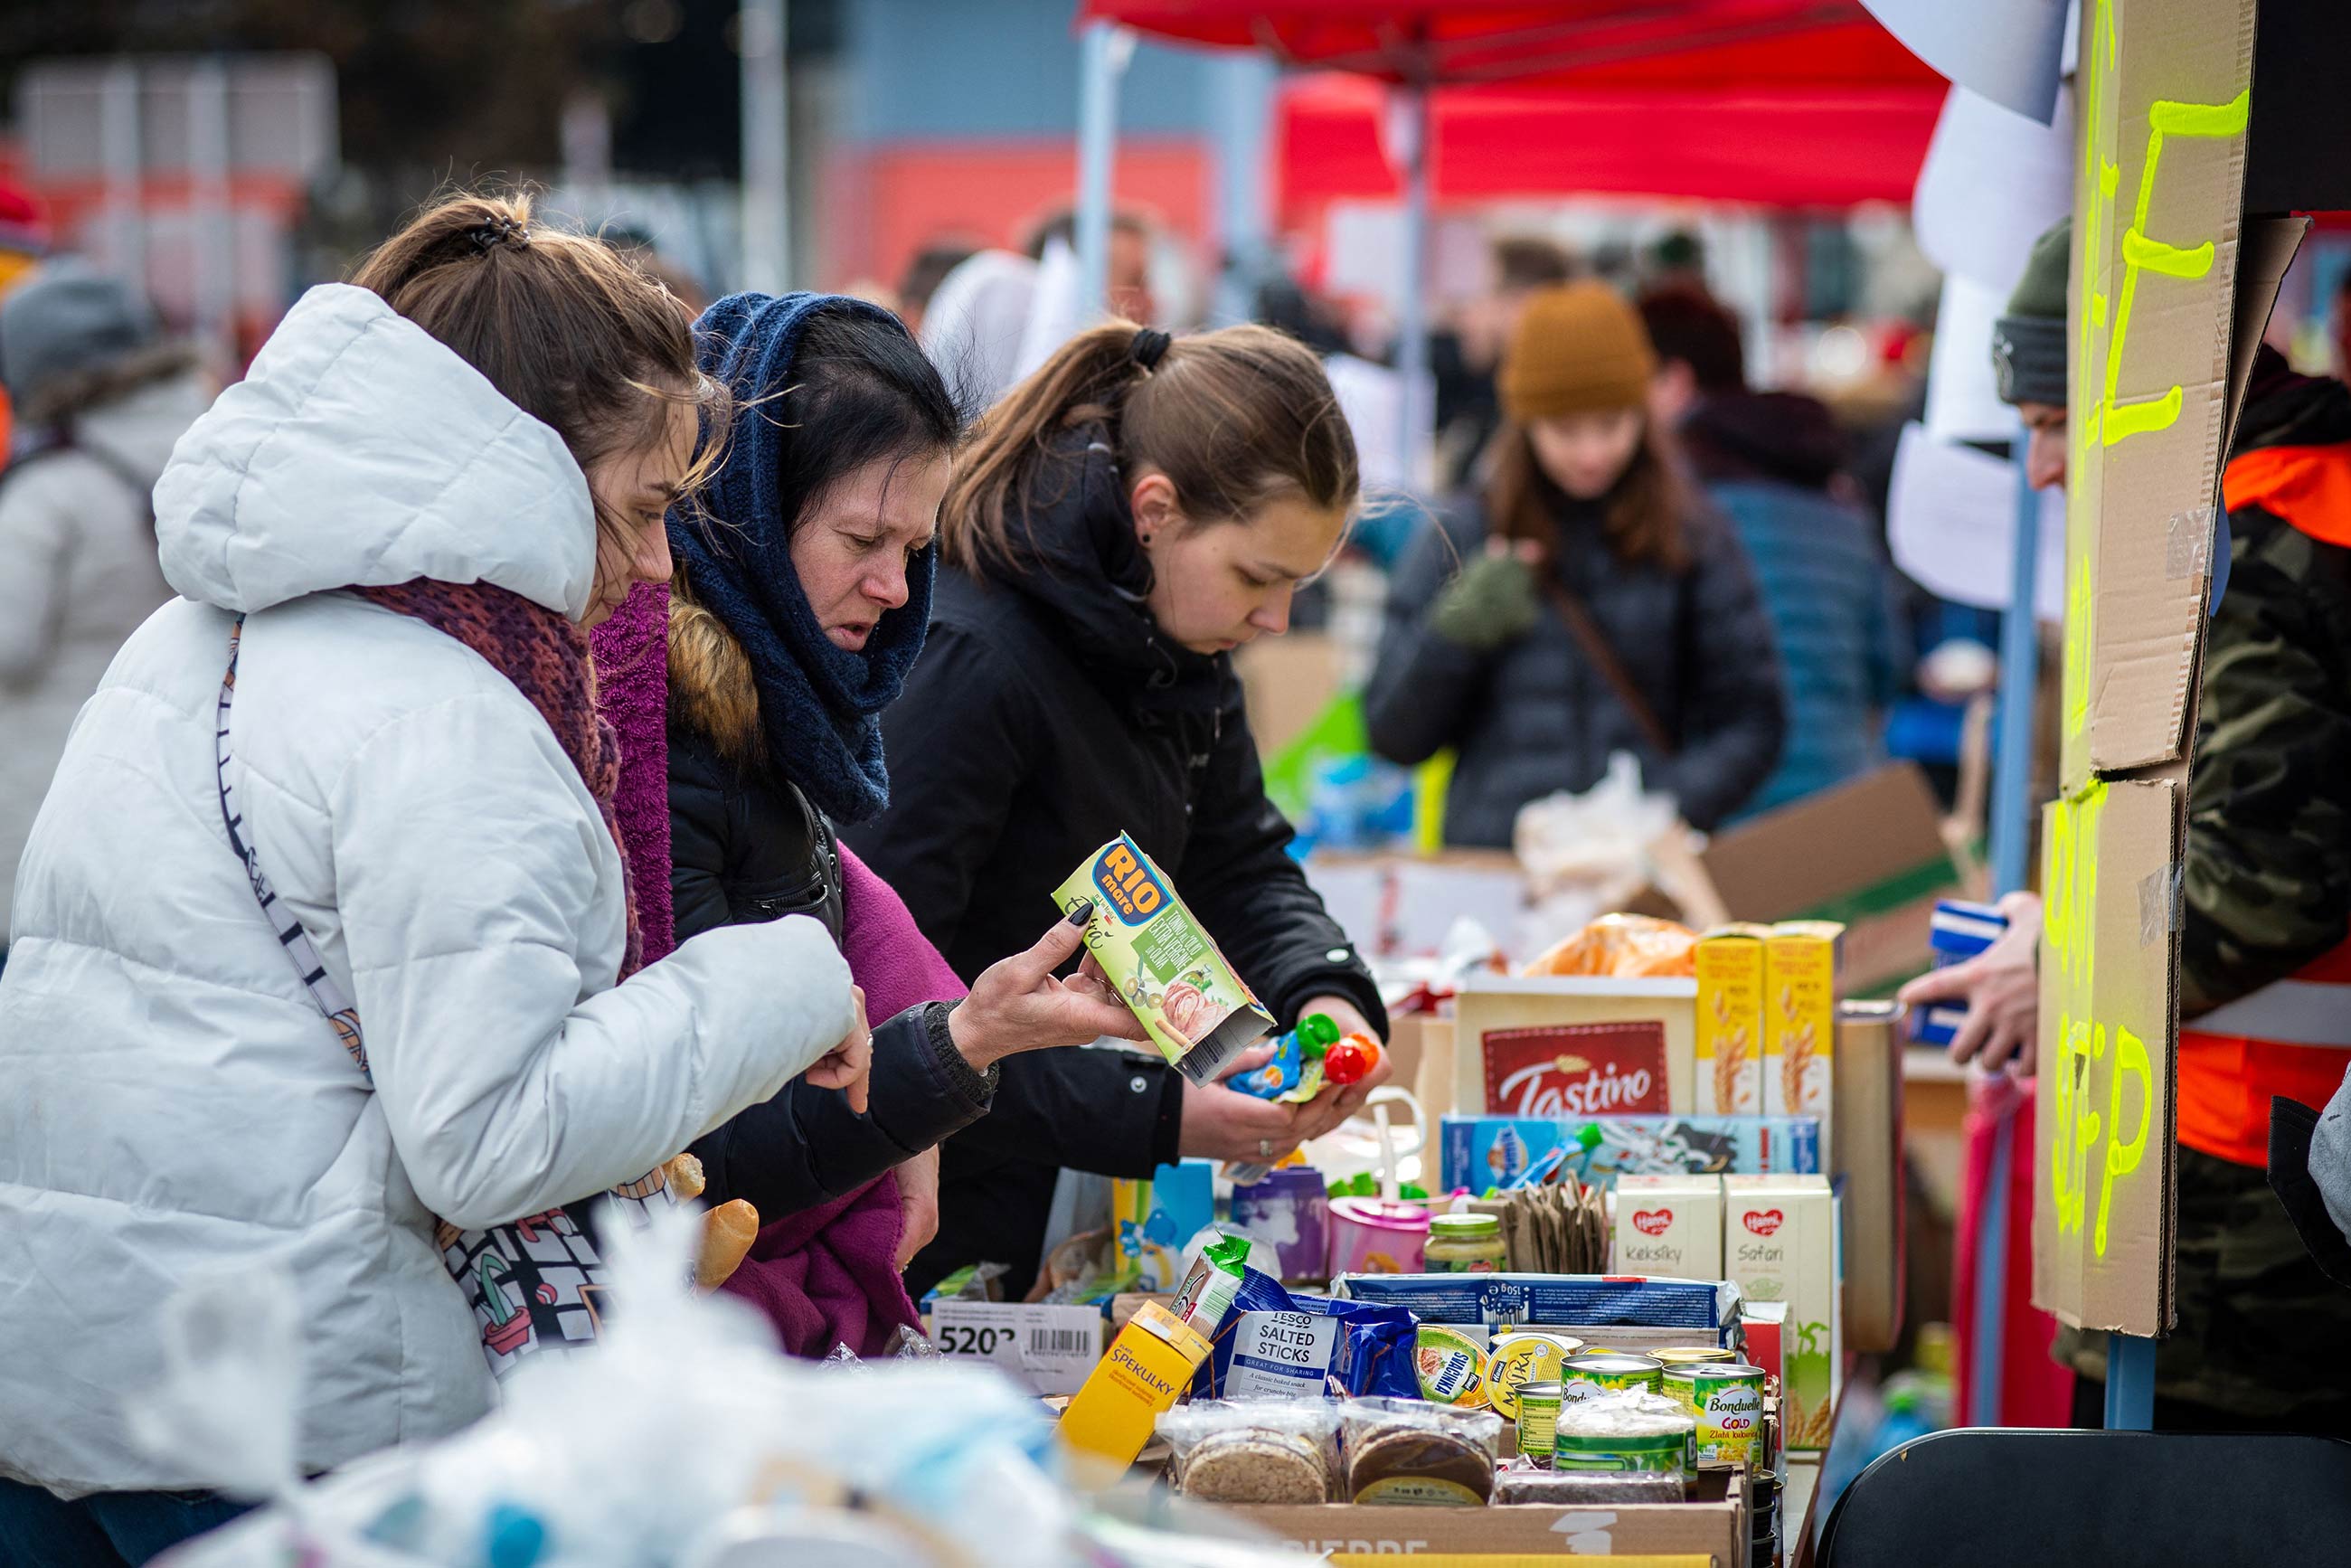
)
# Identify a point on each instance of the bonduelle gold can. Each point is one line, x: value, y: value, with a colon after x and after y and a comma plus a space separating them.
x: 1727, y: 1401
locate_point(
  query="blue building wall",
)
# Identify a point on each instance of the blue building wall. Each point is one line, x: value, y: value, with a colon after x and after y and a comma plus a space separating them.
x: 925, y: 68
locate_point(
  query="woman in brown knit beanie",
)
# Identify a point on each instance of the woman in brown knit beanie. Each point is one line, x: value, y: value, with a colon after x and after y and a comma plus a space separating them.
x: 1587, y: 602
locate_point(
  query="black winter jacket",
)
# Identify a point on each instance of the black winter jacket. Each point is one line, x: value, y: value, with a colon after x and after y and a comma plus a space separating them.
x: 747, y: 845
x: 1534, y: 717
x: 1046, y: 715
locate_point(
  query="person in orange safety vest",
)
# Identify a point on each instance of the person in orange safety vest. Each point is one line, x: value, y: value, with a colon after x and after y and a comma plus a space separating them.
x: 2265, y: 901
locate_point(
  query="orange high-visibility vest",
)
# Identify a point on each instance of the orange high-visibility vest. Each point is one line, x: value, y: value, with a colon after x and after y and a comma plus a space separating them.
x: 2291, y: 1037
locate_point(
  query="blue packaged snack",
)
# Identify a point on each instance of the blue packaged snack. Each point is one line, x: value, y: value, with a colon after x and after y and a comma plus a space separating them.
x: 1705, y: 1306
x: 1277, y: 1345
x: 1482, y: 1152
x: 1378, y: 1355
x: 1958, y: 932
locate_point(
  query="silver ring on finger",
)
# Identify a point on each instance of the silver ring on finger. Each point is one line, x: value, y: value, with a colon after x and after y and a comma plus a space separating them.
x: 1265, y: 1148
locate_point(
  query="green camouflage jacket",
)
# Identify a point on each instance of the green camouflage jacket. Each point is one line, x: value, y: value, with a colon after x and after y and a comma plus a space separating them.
x: 2267, y: 885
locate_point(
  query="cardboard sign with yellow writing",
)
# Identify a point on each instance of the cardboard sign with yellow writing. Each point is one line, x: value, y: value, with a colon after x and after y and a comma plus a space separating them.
x: 2169, y: 292
x: 2103, y: 1208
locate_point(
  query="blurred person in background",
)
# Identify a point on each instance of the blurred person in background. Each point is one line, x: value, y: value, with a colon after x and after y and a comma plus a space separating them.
x: 23, y: 243
x: 99, y: 398
x: 1128, y: 516
x: 1772, y: 462
x: 974, y: 322
x: 1131, y: 241
x: 1463, y: 357
x: 923, y: 273
x: 1587, y: 602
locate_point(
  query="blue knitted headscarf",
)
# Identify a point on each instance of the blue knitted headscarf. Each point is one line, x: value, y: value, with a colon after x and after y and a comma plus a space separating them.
x: 820, y: 706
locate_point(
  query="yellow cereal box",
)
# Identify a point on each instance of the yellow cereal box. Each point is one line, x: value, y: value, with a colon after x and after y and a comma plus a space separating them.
x: 1800, y: 990
x: 1731, y: 1020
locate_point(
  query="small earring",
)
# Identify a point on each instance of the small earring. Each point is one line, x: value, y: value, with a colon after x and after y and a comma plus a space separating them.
x: 1146, y: 539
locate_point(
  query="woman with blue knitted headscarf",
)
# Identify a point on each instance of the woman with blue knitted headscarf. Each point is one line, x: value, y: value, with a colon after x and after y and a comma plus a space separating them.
x: 748, y: 708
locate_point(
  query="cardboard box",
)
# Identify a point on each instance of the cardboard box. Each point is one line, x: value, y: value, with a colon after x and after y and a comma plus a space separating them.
x: 1868, y: 1113
x: 1780, y: 1244
x: 1669, y: 1225
x: 1566, y: 1046
x: 1764, y: 1326
x: 1402, y: 905
x: 1287, y: 682
x: 1713, y: 1525
x: 1432, y: 1081
x: 1729, y: 1071
x: 1869, y: 853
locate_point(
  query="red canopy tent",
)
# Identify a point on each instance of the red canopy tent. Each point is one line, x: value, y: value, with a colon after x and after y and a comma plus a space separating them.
x: 1717, y: 48
x: 1804, y: 147
x: 1587, y: 43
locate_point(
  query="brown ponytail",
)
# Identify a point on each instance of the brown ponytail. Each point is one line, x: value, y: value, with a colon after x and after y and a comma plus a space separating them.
x: 568, y: 328
x: 1235, y: 418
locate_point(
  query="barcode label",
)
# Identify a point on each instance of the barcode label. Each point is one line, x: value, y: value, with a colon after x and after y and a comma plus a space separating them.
x: 1048, y: 1349
x: 1205, y: 1061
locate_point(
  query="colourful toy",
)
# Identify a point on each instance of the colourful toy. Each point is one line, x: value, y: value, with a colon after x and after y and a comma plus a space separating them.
x: 1296, y: 1072
x: 1351, y: 1060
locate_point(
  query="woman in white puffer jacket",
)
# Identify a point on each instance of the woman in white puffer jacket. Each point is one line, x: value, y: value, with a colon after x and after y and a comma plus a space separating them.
x: 173, y: 1100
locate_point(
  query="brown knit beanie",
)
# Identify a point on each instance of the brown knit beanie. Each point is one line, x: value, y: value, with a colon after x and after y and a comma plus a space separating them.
x: 1579, y: 348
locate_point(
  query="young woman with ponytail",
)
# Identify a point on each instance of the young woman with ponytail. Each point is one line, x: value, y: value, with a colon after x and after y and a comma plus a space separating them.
x: 389, y: 540
x: 1122, y: 520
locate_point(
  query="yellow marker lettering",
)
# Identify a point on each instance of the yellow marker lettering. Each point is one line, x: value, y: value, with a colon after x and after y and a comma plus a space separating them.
x: 2089, y: 1044
x: 2061, y: 1124
x: 2123, y: 1155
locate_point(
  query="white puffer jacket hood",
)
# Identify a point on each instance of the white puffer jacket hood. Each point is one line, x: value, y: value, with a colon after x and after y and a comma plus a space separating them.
x: 175, y: 1105
x: 431, y: 471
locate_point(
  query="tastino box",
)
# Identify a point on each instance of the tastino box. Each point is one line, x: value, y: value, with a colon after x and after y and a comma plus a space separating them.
x: 1730, y: 1075
x: 1669, y: 1225
x: 1800, y: 990
x: 1780, y: 1244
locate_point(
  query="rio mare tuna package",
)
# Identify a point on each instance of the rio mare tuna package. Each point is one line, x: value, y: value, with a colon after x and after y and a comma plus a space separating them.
x: 1162, y: 962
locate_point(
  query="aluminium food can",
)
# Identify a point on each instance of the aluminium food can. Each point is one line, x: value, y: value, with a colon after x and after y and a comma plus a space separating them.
x: 1653, y: 1453
x: 1585, y: 1376
x: 1726, y: 1402
x: 1539, y: 1406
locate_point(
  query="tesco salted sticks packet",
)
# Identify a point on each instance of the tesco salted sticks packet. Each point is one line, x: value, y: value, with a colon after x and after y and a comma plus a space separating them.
x: 1196, y: 1010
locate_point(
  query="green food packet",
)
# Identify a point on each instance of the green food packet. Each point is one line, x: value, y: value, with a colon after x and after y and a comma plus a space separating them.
x: 1162, y: 962
x: 1214, y: 1279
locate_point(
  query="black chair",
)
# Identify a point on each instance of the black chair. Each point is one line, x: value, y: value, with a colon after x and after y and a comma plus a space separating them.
x: 1987, y: 1499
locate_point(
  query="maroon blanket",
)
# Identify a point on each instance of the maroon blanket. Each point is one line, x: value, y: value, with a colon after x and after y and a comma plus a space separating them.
x: 829, y: 1275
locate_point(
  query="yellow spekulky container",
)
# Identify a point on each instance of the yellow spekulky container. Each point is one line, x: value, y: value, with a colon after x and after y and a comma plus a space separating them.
x: 1111, y: 1418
